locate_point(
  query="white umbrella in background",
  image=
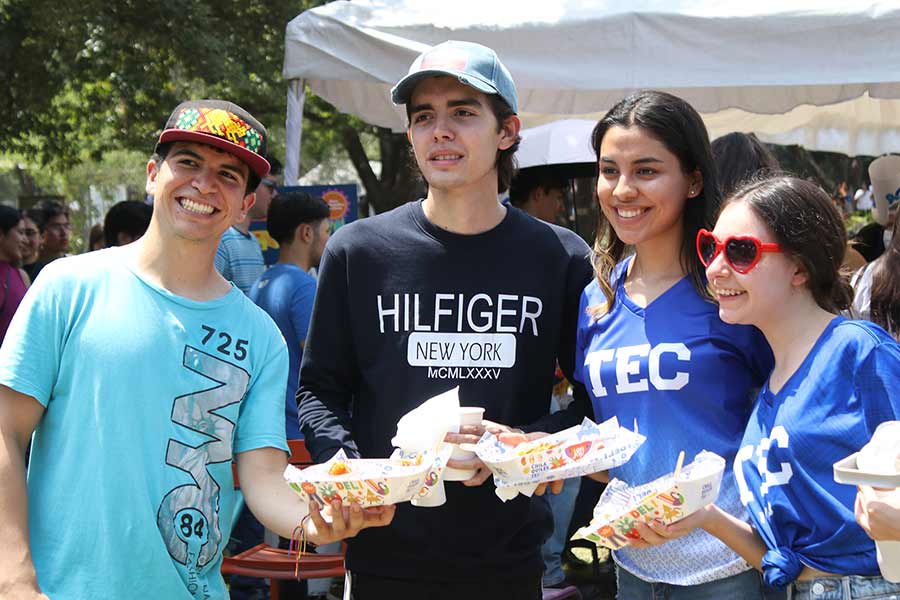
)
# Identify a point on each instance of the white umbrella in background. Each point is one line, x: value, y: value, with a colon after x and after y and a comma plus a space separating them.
x: 561, y: 142
x: 563, y: 146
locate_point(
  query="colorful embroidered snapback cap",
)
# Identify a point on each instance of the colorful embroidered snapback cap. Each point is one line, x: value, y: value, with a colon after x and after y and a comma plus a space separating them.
x: 472, y: 64
x: 222, y: 124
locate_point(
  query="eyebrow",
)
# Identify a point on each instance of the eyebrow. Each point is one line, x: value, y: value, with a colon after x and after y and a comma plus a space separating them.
x: 640, y: 161
x: 469, y: 101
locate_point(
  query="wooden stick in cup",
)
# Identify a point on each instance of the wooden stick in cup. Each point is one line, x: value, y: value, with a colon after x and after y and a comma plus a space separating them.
x: 678, y: 464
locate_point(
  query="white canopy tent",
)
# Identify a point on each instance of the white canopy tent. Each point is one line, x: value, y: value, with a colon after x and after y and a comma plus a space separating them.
x: 821, y: 73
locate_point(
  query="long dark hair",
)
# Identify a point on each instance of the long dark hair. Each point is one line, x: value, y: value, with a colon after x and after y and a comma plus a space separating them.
x: 809, y: 227
x: 885, y: 301
x: 677, y: 125
x: 741, y: 157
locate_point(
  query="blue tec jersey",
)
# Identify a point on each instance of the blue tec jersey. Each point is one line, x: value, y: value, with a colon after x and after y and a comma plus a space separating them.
x: 827, y: 410
x: 287, y: 293
x: 688, y: 379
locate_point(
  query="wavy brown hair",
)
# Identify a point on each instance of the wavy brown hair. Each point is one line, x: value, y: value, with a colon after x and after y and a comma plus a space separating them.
x: 677, y: 125
x: 885, y: 302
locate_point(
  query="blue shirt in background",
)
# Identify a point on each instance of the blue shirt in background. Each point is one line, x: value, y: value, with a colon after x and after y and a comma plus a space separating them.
x: 688, y: 380
x: 287, y: 293
x: 239, y: 258
x: 826, y: 411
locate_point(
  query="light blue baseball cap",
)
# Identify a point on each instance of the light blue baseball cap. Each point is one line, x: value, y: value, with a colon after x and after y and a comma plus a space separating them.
x: 472, y: 64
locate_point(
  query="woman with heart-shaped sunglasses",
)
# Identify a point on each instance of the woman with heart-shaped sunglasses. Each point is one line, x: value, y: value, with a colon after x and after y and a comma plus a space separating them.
x: 773, y: 261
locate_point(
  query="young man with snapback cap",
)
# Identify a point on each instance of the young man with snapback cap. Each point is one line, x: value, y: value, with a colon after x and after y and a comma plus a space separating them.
x: 144, y: 375
x: 404, y: 297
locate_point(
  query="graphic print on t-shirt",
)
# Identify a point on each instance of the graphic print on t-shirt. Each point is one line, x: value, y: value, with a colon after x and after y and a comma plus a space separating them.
x: 465, y: 336
x: 188, y: 516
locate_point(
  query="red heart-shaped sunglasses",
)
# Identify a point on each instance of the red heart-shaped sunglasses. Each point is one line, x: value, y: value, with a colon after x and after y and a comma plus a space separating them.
x: 742, y: 252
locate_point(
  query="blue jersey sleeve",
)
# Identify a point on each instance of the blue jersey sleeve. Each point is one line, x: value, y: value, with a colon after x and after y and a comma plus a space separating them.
x: 581, y: 335
x: 877, y: 384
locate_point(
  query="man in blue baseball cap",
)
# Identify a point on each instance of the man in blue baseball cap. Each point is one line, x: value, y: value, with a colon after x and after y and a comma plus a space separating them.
x: 452, y: 290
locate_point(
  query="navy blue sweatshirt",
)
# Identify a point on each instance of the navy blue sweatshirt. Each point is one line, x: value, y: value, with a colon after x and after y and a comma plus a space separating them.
x: 404, y: 311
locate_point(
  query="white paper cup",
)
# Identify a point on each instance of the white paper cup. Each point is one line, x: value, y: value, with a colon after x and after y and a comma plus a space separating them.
x: 888, y: 553
x: 468, y: 415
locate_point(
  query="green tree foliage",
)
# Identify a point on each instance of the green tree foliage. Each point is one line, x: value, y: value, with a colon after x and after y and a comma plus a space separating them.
x: 87, y: 77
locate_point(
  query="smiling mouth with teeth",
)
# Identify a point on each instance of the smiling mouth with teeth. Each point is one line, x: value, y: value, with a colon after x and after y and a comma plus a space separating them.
x: 195, y: 207
x: 629, y: 213
x: 730, y: 293
x: 447, y: 157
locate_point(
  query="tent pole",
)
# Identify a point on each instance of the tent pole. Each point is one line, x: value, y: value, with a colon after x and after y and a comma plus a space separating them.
x: 296, y: 97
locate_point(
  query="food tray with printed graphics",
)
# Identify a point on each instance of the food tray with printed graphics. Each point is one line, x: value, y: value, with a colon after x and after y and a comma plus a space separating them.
x: 577, y: 451
x: 371, y: 482
x: 670, y: 498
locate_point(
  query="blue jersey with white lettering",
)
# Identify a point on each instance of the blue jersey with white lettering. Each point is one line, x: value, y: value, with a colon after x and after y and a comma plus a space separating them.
x: 688, y: 380
x: 827, y: 410
x: 148, y: 397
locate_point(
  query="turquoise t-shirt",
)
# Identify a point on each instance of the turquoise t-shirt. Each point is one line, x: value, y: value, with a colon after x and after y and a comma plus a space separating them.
x: 149, y: 396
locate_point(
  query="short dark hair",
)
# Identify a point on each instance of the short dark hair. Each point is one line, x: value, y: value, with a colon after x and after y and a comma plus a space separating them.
x: 95, y: 235
x: 129, y: 217
x: 162, y: 150
x: 9, y: 218
x: 809, y: 227
x: 36, y: 215
x: 51, y: 209
x: 740, y: 158
x: 680, y: 129
x: 506, y: 160
x: 527, y: 180
x: 289, y: 210
x: 275, y: 166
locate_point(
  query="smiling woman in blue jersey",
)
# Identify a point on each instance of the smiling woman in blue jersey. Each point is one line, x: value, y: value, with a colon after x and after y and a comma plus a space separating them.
x: 651, y: 347
x: 773, y: 261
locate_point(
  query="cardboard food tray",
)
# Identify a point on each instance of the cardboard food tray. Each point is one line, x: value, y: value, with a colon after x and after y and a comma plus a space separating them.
x: 668, y: 499
x: 371, y: 482
x: 845, y: 471
x: 577, y: 451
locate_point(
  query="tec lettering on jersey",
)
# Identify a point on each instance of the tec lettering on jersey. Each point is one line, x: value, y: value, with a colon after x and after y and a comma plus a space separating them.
x: 459, y: 336
x: 662, y: 366
x: 759, y: 457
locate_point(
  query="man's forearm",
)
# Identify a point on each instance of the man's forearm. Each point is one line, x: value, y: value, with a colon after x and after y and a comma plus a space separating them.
x: 16, y: 567
x: 267, y: 495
